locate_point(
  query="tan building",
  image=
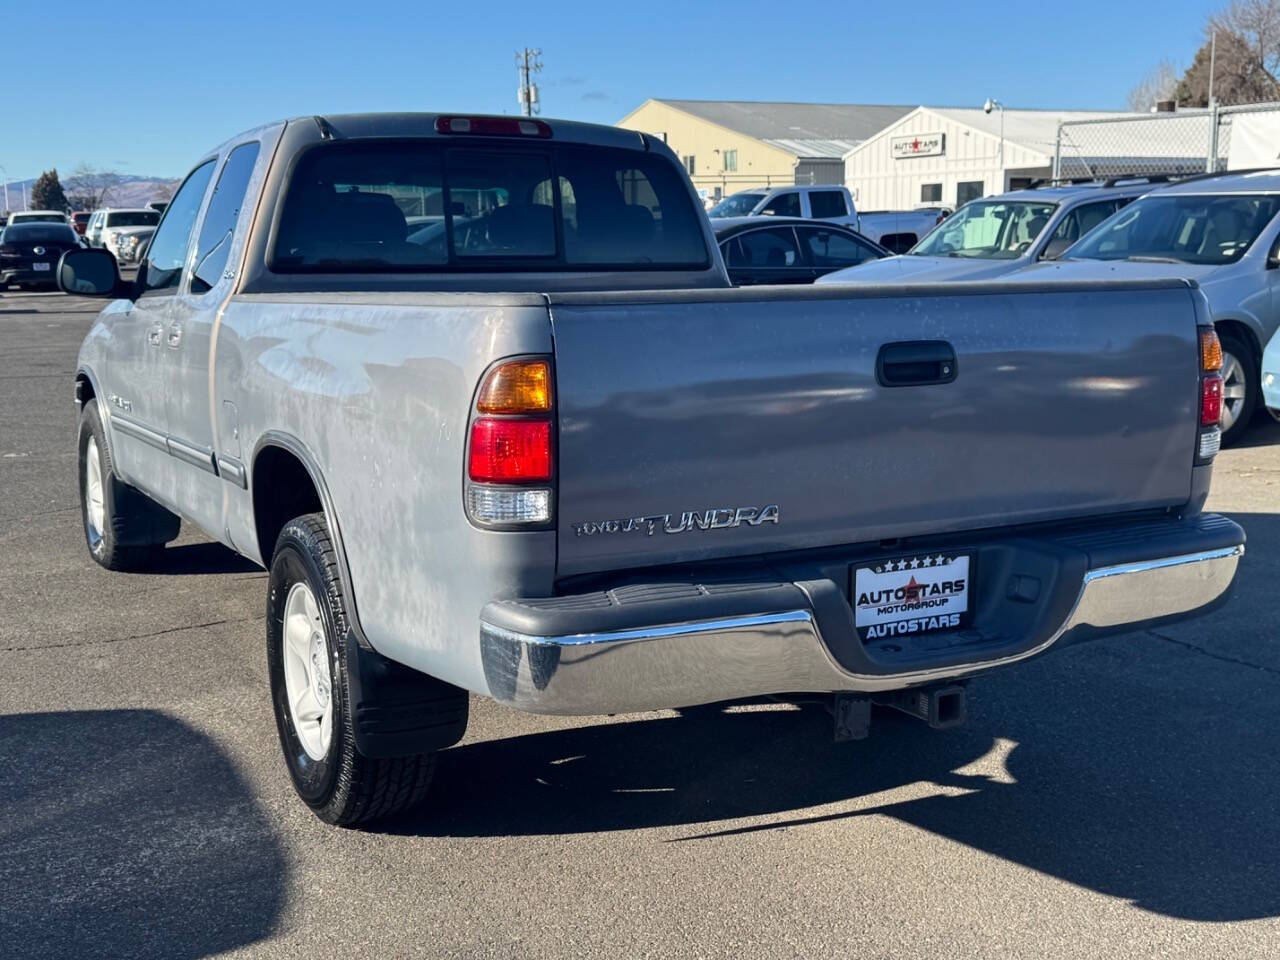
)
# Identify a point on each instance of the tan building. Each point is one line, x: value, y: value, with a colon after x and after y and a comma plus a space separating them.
x: 729, y: 146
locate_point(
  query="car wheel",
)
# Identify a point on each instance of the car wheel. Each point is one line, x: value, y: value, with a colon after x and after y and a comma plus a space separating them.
x: 123, y: 528
x: 311, y: 690
x: 1239, y: 387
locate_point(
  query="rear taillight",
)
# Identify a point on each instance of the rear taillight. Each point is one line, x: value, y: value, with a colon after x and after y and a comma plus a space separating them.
x: 1210, y: 401
x: 511, y: 445
x: 1210, y: 434
x: 510, y: 451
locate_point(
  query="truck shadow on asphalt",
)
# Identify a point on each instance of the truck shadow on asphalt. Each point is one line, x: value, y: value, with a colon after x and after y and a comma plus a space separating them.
x: 1143, y: 767
x: 194, y: 559
x: 128, y: 833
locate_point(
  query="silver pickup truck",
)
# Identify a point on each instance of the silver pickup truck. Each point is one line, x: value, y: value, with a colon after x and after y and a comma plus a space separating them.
x: 476, y: 391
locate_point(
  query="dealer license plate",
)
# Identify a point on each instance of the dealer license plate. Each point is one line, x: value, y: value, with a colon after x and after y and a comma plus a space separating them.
x: 38, y: 267
x: 911, y: 595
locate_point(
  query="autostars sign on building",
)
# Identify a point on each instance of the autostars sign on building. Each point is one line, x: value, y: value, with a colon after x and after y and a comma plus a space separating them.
x: 919, y: 145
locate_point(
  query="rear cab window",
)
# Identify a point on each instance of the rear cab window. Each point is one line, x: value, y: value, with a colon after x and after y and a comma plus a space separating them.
x: 827, y: 203
x: 440, y: 206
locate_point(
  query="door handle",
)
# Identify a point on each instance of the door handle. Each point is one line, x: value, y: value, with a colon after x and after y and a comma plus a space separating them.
x: 913, y: 363
x: 153, y: 335
x: 175, y: 334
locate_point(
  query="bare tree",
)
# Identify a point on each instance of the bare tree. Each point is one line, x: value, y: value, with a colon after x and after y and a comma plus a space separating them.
x: 1159, y: 84
x: 93, y: 184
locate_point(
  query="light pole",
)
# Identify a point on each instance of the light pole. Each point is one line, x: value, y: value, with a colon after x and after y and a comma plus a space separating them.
x: 993, y: 104
x: 6, y: 189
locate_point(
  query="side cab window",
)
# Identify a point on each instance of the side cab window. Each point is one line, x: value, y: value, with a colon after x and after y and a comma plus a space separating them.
x: 783, y: 205
x: 168, y: 250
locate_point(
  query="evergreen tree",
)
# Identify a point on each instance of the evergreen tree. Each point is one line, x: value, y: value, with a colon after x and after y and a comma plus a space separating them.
x: 47, y: 193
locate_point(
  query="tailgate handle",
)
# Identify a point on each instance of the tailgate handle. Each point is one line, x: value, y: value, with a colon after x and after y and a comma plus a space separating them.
x: 913, y: 363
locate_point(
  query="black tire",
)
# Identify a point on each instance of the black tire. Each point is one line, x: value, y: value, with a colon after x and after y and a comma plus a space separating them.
x: 345, y: 787
x: 1233, y: 345
x: 134, y: 527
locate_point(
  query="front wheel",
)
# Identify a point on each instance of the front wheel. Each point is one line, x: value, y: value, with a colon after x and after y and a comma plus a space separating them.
x: 311, y: 688
x: 1239, y: 387
x: 123, y: 528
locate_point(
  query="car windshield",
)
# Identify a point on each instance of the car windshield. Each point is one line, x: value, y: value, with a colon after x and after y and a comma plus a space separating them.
x: 1180, y: 228
x: 738, y: 205
x: 37, y: 232
x: 133, y: 218
x: 38, y: 218
x: 987, y: 230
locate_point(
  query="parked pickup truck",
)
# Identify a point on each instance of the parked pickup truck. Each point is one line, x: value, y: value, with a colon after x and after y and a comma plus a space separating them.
x: 476, y: 391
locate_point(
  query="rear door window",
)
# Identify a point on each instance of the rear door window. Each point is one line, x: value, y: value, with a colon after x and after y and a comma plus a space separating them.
x: 833, y: 248
x: 214, y: 245
x: 774, y: 248
x: 827, y: 203
x: 437, y: 206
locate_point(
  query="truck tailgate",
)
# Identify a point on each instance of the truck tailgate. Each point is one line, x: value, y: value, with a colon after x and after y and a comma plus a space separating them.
x: 701, y: 424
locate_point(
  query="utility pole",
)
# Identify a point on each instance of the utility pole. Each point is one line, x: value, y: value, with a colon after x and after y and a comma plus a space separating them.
x: 527, y: 64
x: 1211, y: 161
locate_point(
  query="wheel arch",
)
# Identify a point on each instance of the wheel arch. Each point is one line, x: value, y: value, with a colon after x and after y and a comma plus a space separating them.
x: 1244, y: 331
x: 285, y: 481
x: 86, y: 387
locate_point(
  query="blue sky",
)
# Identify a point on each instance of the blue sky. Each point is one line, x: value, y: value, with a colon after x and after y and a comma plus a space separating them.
x: 172, y: 82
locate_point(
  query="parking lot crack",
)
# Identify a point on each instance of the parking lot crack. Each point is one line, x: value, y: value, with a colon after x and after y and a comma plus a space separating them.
x: 1214, y: 655
x: 136, y: 636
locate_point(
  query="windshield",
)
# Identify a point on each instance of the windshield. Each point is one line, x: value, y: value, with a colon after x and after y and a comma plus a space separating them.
x: 1180, y: 229
x: 38, y: 232
x: 133, y: 218
x: 987, y: 230
x: 738, y: 205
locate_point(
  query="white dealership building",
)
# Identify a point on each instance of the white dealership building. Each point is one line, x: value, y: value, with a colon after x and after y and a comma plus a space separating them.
x: 950, y: 155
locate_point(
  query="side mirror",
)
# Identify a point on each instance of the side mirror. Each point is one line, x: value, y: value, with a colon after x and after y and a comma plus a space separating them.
x: 89, y: 273
x: 1273, y: 258
x: 1055, y: 248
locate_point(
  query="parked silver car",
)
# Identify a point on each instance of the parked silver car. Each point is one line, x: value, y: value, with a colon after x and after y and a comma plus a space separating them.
x: 1223, y: 231
x: 996, y: 236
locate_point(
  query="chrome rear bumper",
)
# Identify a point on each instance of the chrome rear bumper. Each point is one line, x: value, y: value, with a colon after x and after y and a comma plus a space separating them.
x: 783, y: 651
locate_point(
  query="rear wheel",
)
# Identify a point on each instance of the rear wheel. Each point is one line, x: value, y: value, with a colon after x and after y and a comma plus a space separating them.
x: 123, y: 528
x: 311, y: 689
x: 1239, y: 387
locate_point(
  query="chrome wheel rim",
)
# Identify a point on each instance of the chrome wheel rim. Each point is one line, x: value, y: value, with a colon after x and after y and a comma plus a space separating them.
x: 1235, y: 386
x: 306, y: 671
x: 94, y: 511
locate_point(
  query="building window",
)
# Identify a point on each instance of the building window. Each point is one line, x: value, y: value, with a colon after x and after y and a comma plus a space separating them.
x: 930, y: 193
x: 689, y: 164
x: 731, y: 161
x: 968, y: 190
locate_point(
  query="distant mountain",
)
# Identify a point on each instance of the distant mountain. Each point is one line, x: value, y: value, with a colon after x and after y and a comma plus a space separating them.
x: 133, y: 191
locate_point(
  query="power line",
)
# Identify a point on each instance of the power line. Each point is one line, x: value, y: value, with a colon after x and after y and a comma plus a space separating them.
x: 527, y: 64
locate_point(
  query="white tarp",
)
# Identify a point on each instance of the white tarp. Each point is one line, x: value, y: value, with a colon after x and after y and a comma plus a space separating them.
x: 1255, y: 140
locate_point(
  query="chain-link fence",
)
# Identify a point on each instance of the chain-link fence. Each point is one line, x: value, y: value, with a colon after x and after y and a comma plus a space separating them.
x: 1182, y: 142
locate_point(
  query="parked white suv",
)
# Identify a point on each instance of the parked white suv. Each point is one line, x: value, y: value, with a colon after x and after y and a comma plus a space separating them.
x: 107, y: 226
x: 38, y: 216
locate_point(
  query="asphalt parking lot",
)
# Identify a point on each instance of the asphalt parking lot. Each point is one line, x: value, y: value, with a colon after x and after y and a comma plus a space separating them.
x: 1117, y: 799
